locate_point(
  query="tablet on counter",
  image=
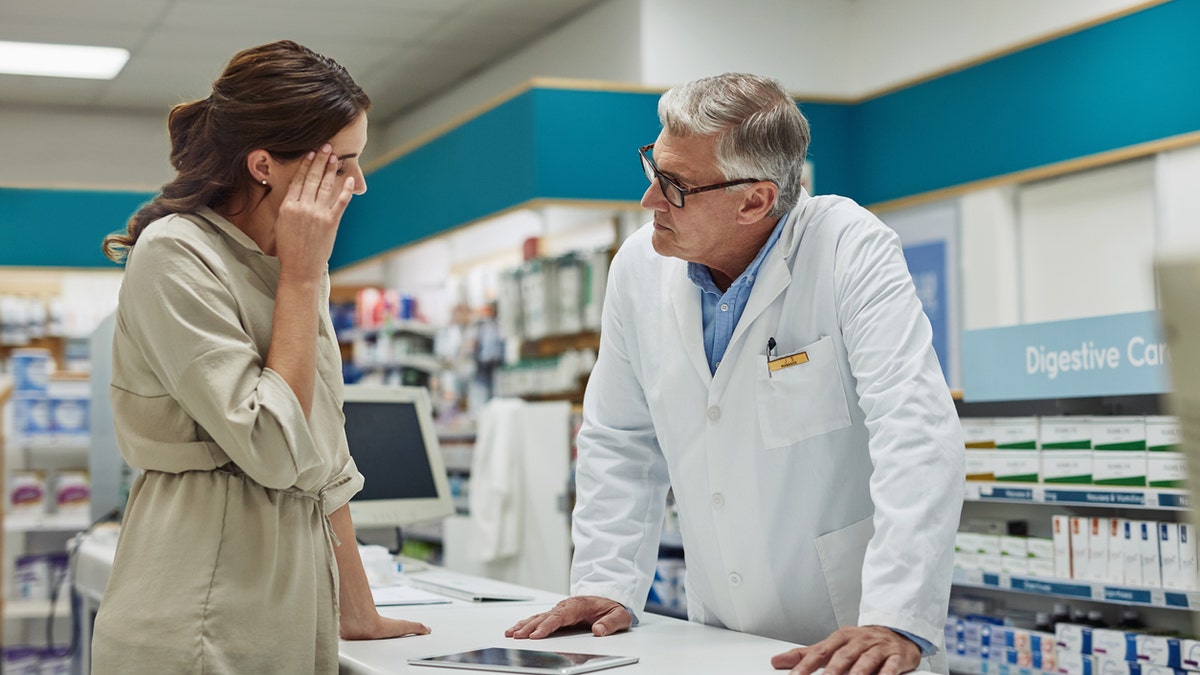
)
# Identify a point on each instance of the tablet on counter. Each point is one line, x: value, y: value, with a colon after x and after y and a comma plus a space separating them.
x: 506, y: 660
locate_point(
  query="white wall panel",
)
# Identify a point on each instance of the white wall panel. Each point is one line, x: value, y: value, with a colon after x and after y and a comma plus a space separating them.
x: 988, y: 260
x: 1086, y: 243
x: 1177, y: 180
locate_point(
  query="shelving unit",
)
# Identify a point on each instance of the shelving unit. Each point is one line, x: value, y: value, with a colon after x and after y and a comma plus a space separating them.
x: 1084, y: 495
x: 1080, y: 590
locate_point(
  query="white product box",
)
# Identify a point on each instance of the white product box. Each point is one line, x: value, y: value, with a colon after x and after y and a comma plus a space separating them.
x: 31, y: 419
x: 68, y: 401
x: 1072, y: 467
x: 1158, y: 650
x: 1116, y: 552
x: 1119, y: 451
x: 1040, y: 549
x: 988, y: 545
x: 1061, y: 526
x: 1073, y: 638
x: 1114, y: 644
x: 1131, y: 545
x: 966, y: 551
x: 1016, y: 458
x: 1013, y: 547
x: 1151, y: 570
x: 1189, y: 576
x: 1112, y: 667
x: 31, y: 368
x: 1168, y: 555
x: 1080, y: 568
x: 980, y: 437
x: 1165, y: 465
x: 1125, y: 469
x: 1074, y: 663
x: 1066, y: 444
x: 1017, y: 466
x: 1190, y: 653
x: 1042, y: 568
x: 1098, y: 529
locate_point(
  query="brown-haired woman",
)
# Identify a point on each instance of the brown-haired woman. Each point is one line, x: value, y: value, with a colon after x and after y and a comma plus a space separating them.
x: 237, y: 553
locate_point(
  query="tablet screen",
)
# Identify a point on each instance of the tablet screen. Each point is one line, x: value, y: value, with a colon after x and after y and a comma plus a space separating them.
x: 501, y: 659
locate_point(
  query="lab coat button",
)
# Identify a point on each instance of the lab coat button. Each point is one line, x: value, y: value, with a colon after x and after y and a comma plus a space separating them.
x: 714, y: 413
x: 718, y: 500
x: 735, y: 578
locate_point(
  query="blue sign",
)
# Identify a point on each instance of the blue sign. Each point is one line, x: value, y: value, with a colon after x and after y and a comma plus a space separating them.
x: 927, y: 265
x: 1112, y: 355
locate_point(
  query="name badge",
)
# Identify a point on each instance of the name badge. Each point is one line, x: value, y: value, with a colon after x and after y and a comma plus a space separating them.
x: 787, y: 361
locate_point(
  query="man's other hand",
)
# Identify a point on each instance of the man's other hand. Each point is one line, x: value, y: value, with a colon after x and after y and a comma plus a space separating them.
x: 604, y: 616
x: 854, y: 650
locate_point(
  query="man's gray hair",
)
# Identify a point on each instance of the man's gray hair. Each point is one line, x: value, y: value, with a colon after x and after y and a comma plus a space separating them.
x: 760, y: 131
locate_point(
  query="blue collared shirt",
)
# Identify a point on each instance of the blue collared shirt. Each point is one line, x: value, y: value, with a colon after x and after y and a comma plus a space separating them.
x: 721, y: 312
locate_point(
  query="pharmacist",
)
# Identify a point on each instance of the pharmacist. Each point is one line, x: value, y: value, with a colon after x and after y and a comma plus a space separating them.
x: 764, y: 353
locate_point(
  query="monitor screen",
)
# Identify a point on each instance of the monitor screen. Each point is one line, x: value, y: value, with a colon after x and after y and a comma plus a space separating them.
x: 393, y: 441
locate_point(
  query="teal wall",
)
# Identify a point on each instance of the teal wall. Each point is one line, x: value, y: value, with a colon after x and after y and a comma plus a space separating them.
x: 1121, y: 83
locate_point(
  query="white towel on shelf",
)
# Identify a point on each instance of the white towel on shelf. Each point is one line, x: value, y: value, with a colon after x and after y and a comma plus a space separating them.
x: 495, y: 494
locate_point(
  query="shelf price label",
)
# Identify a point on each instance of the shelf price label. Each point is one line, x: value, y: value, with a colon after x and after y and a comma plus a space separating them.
x: 1138, y: 595
x: 1097, y: 497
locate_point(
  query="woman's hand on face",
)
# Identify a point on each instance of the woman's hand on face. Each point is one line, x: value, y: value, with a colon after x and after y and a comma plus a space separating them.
x: 309, y: 215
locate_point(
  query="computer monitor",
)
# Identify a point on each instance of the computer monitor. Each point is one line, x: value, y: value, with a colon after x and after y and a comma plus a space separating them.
x: 392, y: 439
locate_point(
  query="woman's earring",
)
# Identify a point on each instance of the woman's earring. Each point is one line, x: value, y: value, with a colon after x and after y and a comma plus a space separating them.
x: 264, y: 181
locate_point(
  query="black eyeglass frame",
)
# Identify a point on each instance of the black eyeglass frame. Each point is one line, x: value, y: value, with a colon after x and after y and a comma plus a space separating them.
x: 652, y: 172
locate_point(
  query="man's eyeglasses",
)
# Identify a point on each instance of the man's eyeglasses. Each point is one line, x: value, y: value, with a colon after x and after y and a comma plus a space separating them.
x: 673, y: 191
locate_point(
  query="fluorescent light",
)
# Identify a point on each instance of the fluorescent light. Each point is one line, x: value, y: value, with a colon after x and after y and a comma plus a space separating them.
x: 46, y: 60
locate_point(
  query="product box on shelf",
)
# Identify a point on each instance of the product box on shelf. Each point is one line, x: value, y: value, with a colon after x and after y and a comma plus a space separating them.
x: 1190, y: 651
x: 1116, y: 551
x: 1014, y: 555
x: 1061, y: 526
x: 1098, y: 534
x: 1189, y: 575
x: 31, y: 419
x: 68, y: 400
x: 1159, y: 650
x: 1017, y: 459
x: 1115, y: 667
x: 1114, y: 644
x: 1073, y: 663
x: 26, y: 494
x: 1066, y: 449
x: 72, y: 492
x: 1074, y: 638
x: 1165, y: 464
x: 1151, y: 562
x: 1131, y: 546
x: 1041, y: 557
x: 1080, y: 565
x: 1119, y: 451
x: 1168, y: 555
x: 31, y: 368
x: 980, y: 436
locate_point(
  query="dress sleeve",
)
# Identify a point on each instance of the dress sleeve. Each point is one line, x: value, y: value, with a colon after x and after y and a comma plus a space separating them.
x: 179, y: 311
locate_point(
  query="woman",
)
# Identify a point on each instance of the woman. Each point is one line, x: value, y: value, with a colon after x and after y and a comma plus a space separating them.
x: 237, y: 553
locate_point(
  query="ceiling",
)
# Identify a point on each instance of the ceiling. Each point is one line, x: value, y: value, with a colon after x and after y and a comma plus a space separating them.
x: 401, y: 52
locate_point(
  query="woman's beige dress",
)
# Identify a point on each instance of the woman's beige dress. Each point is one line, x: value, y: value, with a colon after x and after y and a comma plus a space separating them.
x: 225, y: 561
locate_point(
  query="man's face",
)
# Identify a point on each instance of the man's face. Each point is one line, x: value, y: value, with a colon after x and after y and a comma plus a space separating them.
x: 699, y: 232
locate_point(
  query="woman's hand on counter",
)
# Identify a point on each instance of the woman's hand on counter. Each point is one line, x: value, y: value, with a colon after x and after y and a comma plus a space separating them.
x: 380, y: 628
x: 604, y: 616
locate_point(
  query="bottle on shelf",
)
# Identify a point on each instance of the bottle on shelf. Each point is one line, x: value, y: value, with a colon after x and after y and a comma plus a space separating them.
x: 1130, y: 620
x: 1095, y: 619
x: 1062, y: 613
x: 1043, y: 622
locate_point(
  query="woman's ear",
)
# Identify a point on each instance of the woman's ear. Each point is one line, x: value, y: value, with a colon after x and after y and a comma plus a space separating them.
x: 259, y: 164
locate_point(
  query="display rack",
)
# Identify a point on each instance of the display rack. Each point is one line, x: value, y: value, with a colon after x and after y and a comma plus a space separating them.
x: 1083, y: 495
x: 1080, y: 590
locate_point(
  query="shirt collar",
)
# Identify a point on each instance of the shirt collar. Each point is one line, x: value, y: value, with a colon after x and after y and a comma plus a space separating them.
x: 701, y: 276
x: 232, y: 231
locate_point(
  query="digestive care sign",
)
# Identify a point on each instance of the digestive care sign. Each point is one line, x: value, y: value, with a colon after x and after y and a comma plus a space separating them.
x: 1118, y: 354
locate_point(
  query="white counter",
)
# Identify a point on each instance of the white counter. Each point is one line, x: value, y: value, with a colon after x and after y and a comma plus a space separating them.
x: 664, y: 645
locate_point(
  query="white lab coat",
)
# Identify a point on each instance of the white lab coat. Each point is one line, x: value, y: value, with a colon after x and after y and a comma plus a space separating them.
x: 822, y: 495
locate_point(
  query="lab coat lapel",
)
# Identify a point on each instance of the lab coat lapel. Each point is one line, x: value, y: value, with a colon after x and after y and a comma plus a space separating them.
x: 773, y: 278
x: 684, y: 299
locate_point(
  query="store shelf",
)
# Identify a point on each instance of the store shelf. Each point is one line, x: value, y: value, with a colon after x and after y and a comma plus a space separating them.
x: 35, y: 609
x: 963, y: 665
x: 398, y: 327
x: 1084, y: 590
x: 49, y: 522
x: 1081, y: 495
x: 671, y: 540
x: 424, y: 362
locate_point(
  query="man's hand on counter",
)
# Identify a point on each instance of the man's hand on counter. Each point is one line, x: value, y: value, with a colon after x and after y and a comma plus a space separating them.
x: 604, y: 616
x: 854, y: 650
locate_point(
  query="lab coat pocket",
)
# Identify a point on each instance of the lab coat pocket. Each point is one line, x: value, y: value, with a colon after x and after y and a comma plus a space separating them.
x: 803, y: 400
x: 842, y: 553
